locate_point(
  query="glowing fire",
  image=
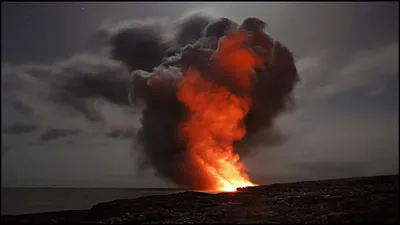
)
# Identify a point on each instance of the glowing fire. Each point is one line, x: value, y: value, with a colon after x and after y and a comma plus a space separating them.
x: 216, y: 115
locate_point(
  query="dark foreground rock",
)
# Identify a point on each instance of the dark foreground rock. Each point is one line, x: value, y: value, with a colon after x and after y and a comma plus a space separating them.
x: 355, y: 200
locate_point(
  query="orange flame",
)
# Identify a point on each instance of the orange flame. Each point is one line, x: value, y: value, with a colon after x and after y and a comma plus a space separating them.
x: 216, y: 115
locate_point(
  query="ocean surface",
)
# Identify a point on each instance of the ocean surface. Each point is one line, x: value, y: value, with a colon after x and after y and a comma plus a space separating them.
x: 34, y: 200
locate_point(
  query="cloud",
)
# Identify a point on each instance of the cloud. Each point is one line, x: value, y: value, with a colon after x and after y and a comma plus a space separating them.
x: 123, y: 133
x: 4, y: 148
x: 369, y: 142
x: 362, y: 70
x: 305, y: 64
x: 382, y: 60
x: 138, y: 44
x: 72, y: 86
x: 53, y: 134
x: 66, y: 94
x: 322, y: 147
x: 376, y: 92
x: 309, y: 68
x: 73, y: 82
x: 20, y: 106
x: 323, y: 76
x: 19, y: 129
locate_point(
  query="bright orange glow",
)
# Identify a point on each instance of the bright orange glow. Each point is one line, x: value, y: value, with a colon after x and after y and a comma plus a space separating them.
x: 216, y: 115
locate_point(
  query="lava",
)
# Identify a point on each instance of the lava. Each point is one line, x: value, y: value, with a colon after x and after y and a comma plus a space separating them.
x: 216, y: 112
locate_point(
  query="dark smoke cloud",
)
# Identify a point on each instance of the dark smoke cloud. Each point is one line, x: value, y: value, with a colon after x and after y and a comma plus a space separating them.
x: 157, y: 140
x: 154, y: 54
x: 191, y: 28
x: 78, y: 81
x: 140, y: 45
x: 217, y: 27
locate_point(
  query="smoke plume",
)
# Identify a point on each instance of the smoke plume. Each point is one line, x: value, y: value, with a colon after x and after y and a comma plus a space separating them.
x: 158, y: 141
x: 143, y: 64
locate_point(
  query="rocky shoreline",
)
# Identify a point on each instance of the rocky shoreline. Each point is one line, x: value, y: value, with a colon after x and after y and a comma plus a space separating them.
x: 352, y: 200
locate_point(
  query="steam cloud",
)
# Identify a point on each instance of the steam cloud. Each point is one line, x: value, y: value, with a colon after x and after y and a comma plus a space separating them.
x: 155, y: 54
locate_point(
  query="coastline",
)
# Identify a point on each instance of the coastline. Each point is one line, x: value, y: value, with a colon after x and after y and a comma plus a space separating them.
x: 349, y: 200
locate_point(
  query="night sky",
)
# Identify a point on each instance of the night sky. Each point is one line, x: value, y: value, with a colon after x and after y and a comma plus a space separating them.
x: 345, y: 122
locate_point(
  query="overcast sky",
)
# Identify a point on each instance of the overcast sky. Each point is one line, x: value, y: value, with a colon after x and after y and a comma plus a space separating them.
x: 345, y: 122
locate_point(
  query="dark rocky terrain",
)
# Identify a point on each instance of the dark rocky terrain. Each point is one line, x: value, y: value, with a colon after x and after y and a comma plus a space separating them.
x: 353, y: 200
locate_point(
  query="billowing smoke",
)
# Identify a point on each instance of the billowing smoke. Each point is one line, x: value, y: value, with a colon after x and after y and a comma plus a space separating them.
x: 158, y: 142
x: 155, y: 55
